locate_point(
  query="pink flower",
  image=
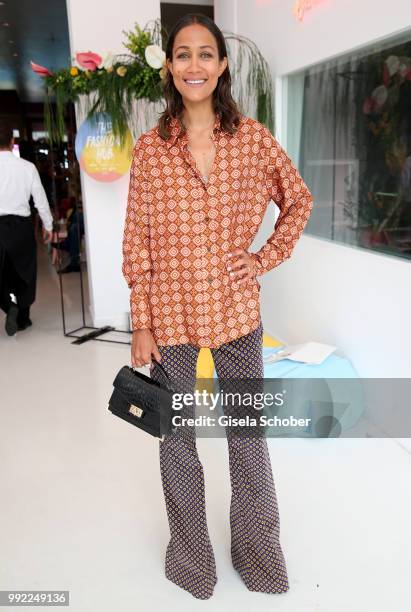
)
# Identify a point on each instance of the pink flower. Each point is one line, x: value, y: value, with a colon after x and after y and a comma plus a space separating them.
x: 40, y: 70
x: 89, y: 61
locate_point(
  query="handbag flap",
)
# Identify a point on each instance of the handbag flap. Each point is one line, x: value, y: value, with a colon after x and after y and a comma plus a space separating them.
x: 139, y: 389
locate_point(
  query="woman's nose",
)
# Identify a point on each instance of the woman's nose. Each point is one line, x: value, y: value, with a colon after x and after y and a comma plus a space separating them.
x: 194, y: 63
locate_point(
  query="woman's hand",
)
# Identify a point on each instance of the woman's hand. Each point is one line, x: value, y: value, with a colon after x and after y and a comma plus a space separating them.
x: 143, y: 346
x: 243, y: 268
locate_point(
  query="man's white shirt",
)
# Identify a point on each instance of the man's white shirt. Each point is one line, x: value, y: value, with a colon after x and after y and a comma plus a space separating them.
x: 19, y: 179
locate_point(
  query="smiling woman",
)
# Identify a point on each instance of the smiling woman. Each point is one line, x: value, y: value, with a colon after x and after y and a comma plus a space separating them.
x: 200, y: 184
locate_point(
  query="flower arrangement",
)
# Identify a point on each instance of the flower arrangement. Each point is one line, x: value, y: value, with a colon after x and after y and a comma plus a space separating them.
x: 380, y: 106
x: 106, y: 84
x: 385, y: 110
x: 111, y: 84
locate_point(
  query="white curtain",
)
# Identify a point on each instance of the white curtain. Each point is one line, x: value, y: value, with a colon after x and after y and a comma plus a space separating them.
x: 329, y: 146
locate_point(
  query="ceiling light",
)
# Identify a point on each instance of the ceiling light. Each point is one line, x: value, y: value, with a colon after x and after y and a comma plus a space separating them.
x: 15, y: 54
x: 11, y: 42
x: 6, y: 24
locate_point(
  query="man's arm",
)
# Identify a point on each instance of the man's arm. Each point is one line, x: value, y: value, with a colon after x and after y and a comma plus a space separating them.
x: 40, y: 200
x: 136, y: 265
x: 288, y: 190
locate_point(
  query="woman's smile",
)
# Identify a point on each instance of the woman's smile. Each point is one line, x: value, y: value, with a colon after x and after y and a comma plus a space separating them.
x: 194, y: 82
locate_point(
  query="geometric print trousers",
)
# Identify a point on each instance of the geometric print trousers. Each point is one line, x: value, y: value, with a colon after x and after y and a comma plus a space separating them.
x: 254, y: 518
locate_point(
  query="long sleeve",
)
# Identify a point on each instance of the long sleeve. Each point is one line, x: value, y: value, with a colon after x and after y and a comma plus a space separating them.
x: 40, y: 200
x: 136, y: 265
x: 288, y: 190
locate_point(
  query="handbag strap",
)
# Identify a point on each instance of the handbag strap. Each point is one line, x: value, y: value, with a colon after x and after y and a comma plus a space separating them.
x: 159, y: 365
x: 161, y: 368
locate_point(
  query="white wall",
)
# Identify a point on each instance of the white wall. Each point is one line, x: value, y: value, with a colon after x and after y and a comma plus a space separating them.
x: 95, y: 26
x: 349, y: 297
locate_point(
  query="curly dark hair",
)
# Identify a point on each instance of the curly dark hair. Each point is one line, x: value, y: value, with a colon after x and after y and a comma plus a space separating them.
x: 223, y: 102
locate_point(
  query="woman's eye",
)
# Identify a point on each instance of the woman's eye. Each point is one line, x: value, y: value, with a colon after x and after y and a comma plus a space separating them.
x: 182, y: 55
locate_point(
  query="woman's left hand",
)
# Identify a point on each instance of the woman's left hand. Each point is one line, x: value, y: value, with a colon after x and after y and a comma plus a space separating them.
x: 241, y: 266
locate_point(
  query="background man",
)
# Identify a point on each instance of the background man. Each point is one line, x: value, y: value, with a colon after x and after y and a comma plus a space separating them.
x: 19, y: 179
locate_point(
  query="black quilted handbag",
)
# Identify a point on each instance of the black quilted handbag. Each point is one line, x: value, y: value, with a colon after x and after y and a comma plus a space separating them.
x: 142, y: 401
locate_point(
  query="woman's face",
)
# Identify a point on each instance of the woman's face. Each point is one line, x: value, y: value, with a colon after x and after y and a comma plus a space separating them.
x: 195, y: 57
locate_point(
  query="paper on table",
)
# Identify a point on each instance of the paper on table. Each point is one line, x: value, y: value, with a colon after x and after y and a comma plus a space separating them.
x: 308, y: 352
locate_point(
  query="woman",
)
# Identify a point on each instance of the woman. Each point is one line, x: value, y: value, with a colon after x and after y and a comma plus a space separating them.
x: 200, y: 183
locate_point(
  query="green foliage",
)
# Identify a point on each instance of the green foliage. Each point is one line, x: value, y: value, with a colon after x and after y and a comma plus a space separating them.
x: 138, y: 40
x: 115, y: 87
x: 247, y: 59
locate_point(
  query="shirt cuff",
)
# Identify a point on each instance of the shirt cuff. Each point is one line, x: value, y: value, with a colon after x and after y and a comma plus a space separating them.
x: 258, y: 266
x: 140, y: 310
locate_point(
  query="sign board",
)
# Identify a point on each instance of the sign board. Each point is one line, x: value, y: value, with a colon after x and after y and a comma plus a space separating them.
x: 98, y: 151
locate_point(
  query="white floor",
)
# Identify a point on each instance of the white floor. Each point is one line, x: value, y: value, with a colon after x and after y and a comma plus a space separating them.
x: 83, y: 508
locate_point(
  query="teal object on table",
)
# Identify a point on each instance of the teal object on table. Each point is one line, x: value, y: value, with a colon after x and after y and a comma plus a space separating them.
x: 330, y: 394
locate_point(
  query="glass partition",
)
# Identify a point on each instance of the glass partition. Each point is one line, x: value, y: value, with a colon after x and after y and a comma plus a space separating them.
x: 349, y: 133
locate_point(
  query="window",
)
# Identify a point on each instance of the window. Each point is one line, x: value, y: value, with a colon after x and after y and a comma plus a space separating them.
x: 349, y: 133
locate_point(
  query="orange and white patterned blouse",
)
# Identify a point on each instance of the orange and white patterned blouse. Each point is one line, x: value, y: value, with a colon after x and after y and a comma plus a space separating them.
x: 179, y: 229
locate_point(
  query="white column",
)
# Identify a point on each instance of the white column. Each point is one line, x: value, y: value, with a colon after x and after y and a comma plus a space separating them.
x: 92, y: 27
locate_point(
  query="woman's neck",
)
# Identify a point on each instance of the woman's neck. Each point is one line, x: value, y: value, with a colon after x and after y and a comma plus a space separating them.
x: 198, y: 118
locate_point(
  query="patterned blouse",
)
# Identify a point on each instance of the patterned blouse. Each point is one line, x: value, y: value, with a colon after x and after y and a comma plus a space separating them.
x: 179, y: 228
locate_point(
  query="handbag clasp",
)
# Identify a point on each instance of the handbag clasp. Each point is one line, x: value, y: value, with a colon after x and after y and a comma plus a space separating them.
x: 136, y: 410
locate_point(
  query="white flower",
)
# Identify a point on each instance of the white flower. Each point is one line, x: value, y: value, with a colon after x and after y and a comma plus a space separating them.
x: 380, y: 95
x: 108, y: 60
x: 155, y: 56
x: 392, y: 64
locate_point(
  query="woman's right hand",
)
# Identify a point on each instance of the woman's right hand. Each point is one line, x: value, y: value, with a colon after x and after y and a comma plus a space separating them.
x: 143, y: 346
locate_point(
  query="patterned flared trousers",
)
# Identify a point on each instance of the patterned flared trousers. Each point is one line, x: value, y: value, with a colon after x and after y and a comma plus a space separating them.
x: 254, y: 518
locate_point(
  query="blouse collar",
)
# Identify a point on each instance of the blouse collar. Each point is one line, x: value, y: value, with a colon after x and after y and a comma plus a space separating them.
x: 175, y: 128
